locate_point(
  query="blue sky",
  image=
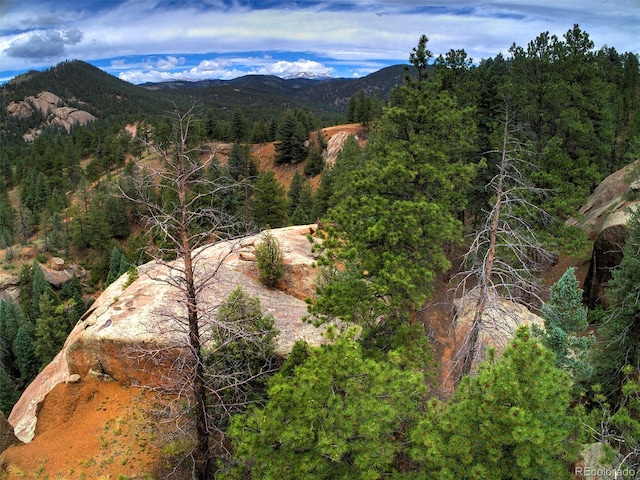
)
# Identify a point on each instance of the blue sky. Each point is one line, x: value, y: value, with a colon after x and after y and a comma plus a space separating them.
x: 158, y: 40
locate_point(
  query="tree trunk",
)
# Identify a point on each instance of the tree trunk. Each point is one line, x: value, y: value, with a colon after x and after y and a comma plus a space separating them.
x: 474, y: 335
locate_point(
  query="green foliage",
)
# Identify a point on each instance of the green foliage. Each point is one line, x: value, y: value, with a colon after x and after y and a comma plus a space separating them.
x: 241, y: 165
x: 620, y: 330
x: 240, y: 359
x: 10, y: 322
x: 269, y: 259
x: 394, y: 217
x: 336, y: 182
x: 362, y: 109
x: 617, y: 425
x: 269, y: 206
x: 555, y: 82
x: 565, y: 320
x: 300, y: 200
x: 292, y: 135
x: 315, y: 162
x: 132, y: 275
x: 24, y: 351
x: 335, y: 415
x: 51, y: 330
x: 510, y: 421
x: 118, y: 265
x: 18, y: 365
x: 40, y: 287
x: 9, y: 394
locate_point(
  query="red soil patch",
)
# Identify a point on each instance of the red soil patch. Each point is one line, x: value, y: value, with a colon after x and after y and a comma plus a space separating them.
x: 88, y: 430
x: 265, y: 154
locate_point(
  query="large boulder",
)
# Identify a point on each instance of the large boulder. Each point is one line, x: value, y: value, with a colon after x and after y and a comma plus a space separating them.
x: 130, y: 333
x: 45, y: 101
x: 67, y: 117
x: 20, y: 109
x: 604, y: 219
x: 500, y: 320
x: 9, y: 287
x: 52, y: 107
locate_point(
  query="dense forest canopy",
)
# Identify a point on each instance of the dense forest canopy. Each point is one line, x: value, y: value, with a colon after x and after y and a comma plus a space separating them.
x: 392, y: 210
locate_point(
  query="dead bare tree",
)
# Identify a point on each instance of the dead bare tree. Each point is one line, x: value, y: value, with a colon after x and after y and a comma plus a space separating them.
x: 505, y: 254
x: 179, y: 203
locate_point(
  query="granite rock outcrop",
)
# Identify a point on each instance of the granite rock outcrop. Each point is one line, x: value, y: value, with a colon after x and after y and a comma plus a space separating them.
x: 604, y: 219
x: 129, y: 320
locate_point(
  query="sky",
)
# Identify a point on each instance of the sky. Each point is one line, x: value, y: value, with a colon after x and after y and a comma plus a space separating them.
x: 160, y: 40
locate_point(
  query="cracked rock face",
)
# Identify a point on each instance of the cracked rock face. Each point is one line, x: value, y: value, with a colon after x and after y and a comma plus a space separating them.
x: 110, y: 336
x: 604, y: 220
x: 53, y: 107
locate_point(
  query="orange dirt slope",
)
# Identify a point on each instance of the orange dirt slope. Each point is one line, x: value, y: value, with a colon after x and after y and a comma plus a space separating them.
x: 88, y: 430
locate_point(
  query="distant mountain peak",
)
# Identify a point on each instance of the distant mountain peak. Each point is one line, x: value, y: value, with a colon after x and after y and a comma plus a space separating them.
x: 309, y: 75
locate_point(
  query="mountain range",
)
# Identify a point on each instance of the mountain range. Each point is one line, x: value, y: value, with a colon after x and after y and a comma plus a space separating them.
x: 259, y: 93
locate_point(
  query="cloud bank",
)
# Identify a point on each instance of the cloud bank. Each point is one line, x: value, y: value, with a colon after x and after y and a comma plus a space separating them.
x: 151, y: 40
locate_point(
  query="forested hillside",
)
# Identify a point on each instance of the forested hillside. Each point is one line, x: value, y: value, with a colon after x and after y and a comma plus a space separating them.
x: 502, y: 151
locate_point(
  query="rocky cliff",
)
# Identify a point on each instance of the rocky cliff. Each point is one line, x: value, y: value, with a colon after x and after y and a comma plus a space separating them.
x: 604, y: 219
x: 53, y: 108
x: 115, y: 338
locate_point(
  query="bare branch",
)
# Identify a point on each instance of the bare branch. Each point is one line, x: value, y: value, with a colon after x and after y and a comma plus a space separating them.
x: 504, y: 256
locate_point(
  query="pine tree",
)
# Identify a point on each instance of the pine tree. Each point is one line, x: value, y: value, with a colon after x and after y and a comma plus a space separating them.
x: 40, y: 286
x: 294, y: 190
x: 10, y: 321
x: 51, y: 331
x: 24, y: 350
x: 114, y: 266
x: 315, y: 162
x: 269, y: 207
x: 269, y: 259
x: 388, y: 234
x: 9, y: 394
x: 238, y: 367
x: 565, y: 320
x: 292, y: 135
x: 338, y: 415
x: 510, y: 421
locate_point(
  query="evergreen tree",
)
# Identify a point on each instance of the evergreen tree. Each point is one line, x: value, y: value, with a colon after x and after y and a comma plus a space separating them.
x: 40, y: 287
x: 297, y: 181
x: 24, y: 351
x: 555, y: 83
x: 336, y: 181
x: 10, y: 321
x: 9, y: 394
x: 388, y: 234
x: 270, y: 260
x: 241, y: 165
x: 510, y: 421
x: 269, y: 206
x: 303, y: 213
x: 292, y: 135
x: 239, y: 127
x: 621, y: 328
x: 237, y: 367
x: 565, y: 320
x: 315, y: 162
x: 338, y: 415
x: 118, y: 265
x: 51, y: 330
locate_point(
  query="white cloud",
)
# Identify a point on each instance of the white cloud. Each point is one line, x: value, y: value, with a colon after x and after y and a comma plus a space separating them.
x: 355, y: 34
x: 170, y: 62
x: 222, y: 68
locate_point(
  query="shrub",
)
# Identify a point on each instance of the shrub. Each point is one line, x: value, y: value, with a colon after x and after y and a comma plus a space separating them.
x: 270, y: 261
